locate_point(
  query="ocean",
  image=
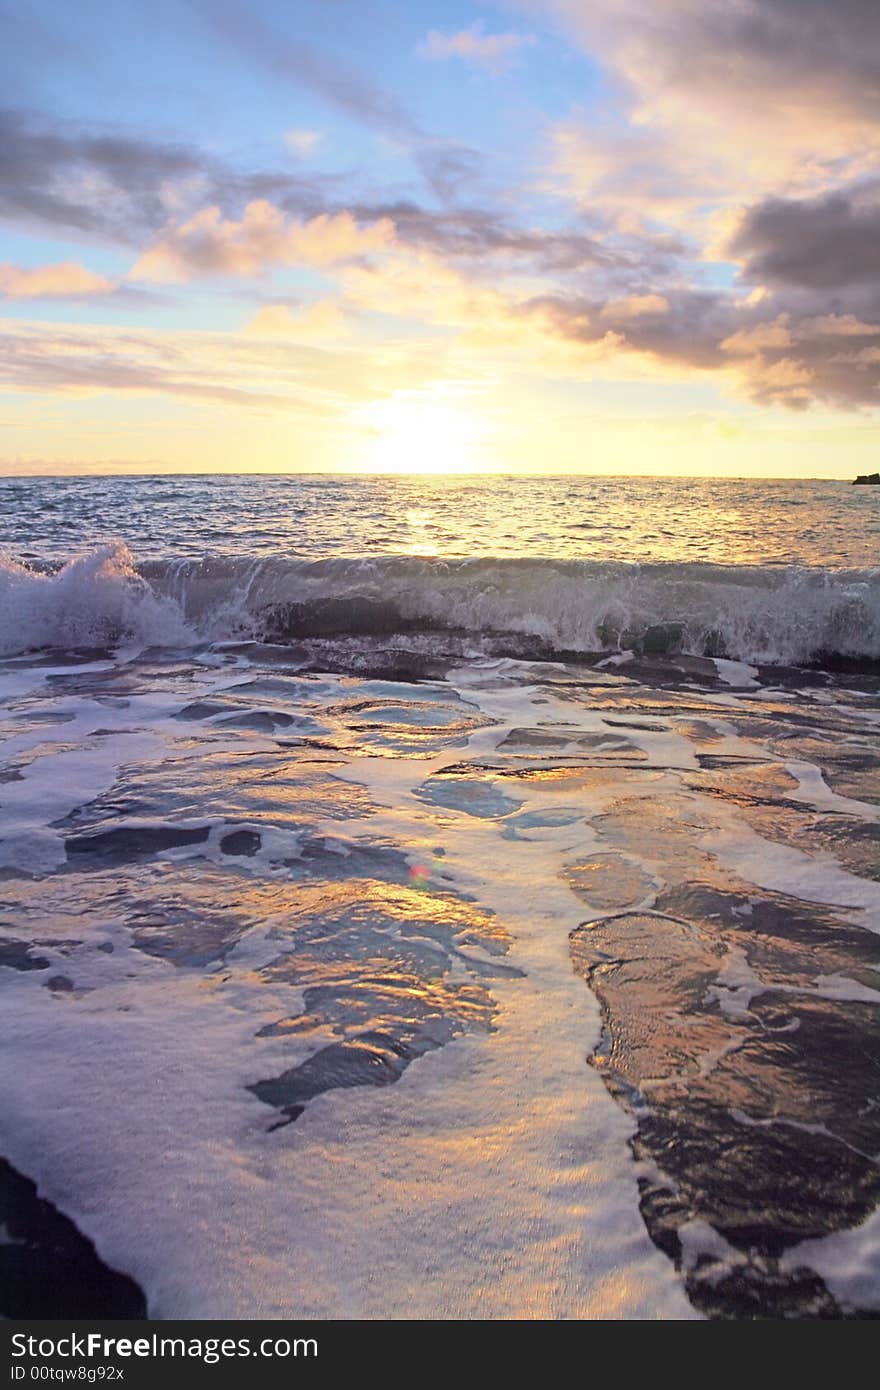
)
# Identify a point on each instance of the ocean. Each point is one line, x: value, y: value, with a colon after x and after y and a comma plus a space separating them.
x: 439, y: 897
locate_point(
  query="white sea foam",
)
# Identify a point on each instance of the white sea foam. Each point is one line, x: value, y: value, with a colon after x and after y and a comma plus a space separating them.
x: 848, y: 1262
x: 96, y: 600
x: 498, y: 1162
x: 741, y: 614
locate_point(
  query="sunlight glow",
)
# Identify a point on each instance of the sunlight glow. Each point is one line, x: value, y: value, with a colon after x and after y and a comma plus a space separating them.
x: 422, y: 432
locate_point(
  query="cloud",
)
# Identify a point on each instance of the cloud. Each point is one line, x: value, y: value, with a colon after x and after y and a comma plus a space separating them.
x: 633, y: 306
x: 746, y: 132
x: 415, y: 284
x: 278, y: 374
x: 473, y: 45
x: 129, y: 190
x: 638, y: 177
x: 120, y: 189
x: 739, y: 56
x: 65, y: 280
x: 93, y: 183
x: 825, y: 243
x: 449, y: 170
x: 90, y: 360
x: 348, y: 89
x: 208, y: 244
x: 748, y: 342
x: 322, y: 321
x: 774, y: 355
x: 302, y: 143
x: 484, y: 237
x: 749, y: 132
x: 721, y: 104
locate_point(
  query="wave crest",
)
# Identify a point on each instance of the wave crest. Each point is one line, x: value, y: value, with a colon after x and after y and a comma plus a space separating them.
x: 97, y: 600
x: 772, y: 615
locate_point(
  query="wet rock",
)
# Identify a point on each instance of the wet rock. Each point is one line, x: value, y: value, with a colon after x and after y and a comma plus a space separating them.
x: 663, y: 639
x: 258, y: 721
x: 474, y: 798
x: 133, y: 842
x: 60, y: 984
x: 245, y: 842
x: 672, y: 670
x: 201, y: 709
x: 276, y: 785
x: 193, y: 919
x: 714, y: 644
x: 606, y: 881
x: 752, y: 1086
x: 371, y: 1059
x: 396, y: 973
x: 336, y: 616
x: 16, y: 955
x: 48, y: 1269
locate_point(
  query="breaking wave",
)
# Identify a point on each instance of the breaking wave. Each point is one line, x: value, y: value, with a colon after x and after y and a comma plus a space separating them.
x: 772, y: 615
x: 96, y: 600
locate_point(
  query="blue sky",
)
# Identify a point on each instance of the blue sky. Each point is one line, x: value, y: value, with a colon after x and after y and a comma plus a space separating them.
x: 506, y: 225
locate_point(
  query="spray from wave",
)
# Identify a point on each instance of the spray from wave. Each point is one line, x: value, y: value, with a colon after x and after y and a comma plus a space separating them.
x: 97, y: 600
x: 772, y: 615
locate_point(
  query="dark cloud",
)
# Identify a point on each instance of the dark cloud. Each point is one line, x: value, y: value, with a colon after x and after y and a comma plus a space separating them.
x: 124, y: 188
x: 475, y: 234
x: 791, y: 353
x: 827, y: 243
x: 812, y: 53
x: 686, y: 326
x: 813, y: 46
x: 90, y: 183
x: 784, y: 90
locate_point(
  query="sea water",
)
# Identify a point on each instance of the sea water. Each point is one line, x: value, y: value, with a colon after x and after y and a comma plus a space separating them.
x: 444, y: 897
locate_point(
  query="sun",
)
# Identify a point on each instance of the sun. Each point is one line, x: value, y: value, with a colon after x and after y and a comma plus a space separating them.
x: 421, y: 432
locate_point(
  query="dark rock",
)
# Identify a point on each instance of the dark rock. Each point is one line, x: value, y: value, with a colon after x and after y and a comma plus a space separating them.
x: 17, y: 956
x: 130, y: 842
x: 714, y: 644
x: 371, y: 1059
x: 241, y: 842
x: 330, y: 617
x: 59, y: 984
x: 663, y: 639
x: 201, y: 709
x: 755, y: 1102
x: 48, y: 1269
x: 258, y: 721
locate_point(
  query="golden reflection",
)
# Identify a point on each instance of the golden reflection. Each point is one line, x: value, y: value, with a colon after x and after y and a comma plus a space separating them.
x: 420, y: 522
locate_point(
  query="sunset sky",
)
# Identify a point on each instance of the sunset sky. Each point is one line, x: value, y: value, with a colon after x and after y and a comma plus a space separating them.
x: 636, y: 236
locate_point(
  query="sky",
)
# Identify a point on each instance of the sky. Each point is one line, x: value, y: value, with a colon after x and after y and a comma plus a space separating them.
x: 599, y: 236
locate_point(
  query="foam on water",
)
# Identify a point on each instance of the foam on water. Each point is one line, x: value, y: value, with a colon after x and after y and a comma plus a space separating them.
x: 219, y: 859
x: 498, y: 1160
x: 93, y: 601
x: 753, y: 615
x: 513, y: 1196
